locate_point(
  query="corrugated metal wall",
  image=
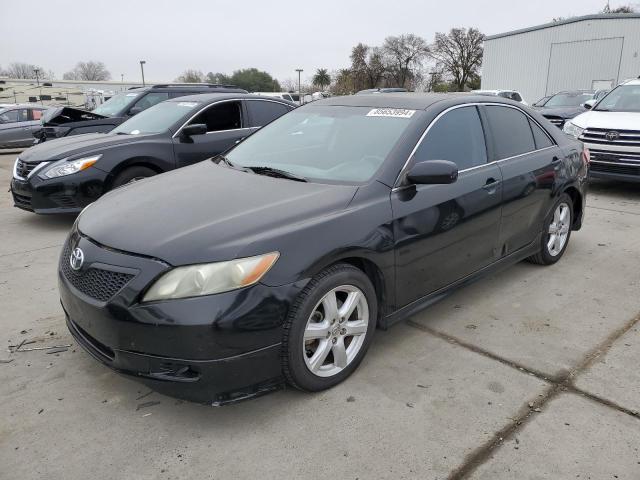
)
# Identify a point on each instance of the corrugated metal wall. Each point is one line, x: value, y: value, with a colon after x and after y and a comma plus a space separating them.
x: 566, y: 56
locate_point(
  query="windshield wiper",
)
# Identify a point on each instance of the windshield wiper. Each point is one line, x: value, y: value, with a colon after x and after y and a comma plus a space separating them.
x: 276, y: 172
x: 221, y: 158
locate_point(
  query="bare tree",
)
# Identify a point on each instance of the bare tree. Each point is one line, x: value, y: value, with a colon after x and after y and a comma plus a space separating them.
x: 91, y: 71
x: 459, y: 54
x: 623, y: 9
x: 404, y: 55
x: 289, y: 84
x: 191, y: 76
x: 23, y: 70
x: 367, y: 66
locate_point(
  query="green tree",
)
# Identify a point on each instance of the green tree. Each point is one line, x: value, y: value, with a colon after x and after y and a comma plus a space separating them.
x: 254, y: 80
x: 322, y: 78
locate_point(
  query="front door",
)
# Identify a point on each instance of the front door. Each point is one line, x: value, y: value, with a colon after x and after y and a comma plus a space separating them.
x: 446, y: 232
x: 226, y: 125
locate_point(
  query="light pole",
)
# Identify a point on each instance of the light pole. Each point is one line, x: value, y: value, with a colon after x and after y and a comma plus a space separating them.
x: 37, y: 71
x: 142, y: 62
x: 299, y: 70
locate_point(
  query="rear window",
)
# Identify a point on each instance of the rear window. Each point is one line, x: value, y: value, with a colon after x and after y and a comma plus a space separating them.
x: 264, y: 111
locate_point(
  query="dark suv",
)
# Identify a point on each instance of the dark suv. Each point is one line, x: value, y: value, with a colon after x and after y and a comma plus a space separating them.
x: 64, y: 121
x: 67, y: 174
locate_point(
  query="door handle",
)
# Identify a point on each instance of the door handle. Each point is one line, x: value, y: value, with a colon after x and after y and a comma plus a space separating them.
x: 491, y: 185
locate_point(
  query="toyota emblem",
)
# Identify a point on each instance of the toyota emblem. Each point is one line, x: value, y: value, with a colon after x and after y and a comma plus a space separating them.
x: 76, y: 259
x: 612, y: 136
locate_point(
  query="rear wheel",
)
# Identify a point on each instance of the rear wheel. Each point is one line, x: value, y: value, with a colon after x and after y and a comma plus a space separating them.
x: 132, y: 174
x: 556, y: 232
x: 329, y: 328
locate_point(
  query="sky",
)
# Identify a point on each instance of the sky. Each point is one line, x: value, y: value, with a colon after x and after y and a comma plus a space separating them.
x: 223, y: 36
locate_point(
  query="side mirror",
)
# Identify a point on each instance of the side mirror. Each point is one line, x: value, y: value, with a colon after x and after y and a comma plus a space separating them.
x: 194, y: 129
x: 134, y: 111
x: 433, y: 172
x: 589, y: 104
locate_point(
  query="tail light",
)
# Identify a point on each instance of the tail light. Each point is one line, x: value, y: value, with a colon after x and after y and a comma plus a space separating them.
x: 586, y: 156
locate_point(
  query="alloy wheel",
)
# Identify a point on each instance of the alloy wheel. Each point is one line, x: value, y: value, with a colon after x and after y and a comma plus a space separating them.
x: 559, y: 229
x: 335, y: 331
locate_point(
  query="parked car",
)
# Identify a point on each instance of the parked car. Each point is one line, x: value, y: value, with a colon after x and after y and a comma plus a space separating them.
x: 219, y: 281
x: 67, y: 174
x: 382, y: 90
x: 283, y: 95
x: 611, y: 132
x: 17, y: 124
x: 565, y: 105
x: 66, y: 121
x: 511, y: 94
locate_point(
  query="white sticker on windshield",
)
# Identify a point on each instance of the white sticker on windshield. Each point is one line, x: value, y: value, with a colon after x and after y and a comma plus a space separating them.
x: 132, y: 94
x: 391, y: 112
x: 187, y: 104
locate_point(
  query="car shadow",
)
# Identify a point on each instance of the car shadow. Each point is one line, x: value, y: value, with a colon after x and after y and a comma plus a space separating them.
x: 626, y: 190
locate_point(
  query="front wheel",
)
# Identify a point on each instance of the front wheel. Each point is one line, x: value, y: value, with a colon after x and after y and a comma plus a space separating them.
x: 132, y: 174
x: 329, y: 328
x: 556, y: 232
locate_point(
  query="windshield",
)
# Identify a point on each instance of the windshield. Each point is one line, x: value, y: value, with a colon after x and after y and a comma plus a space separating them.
x: 625, y: 98
x: 156, y: 119
x: 568, y: 99
x: 342, y: 144
x: 116, y: 104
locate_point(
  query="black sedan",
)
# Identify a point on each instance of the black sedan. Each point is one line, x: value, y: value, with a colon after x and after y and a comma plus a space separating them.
x: 278, y: 261
x: 67, y: 174
x: 564, y: 106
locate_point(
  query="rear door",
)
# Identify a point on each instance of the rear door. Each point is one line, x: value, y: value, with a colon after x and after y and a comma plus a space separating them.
x: 528, y: 159
x: 446, y: 232
x: 226, y: 123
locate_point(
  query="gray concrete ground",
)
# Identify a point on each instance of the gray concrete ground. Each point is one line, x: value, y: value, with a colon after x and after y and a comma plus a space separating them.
x: 529, y: 374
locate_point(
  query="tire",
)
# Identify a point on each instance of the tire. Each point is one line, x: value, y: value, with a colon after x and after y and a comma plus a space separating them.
x: 549, y: 255
x: 132, y: 174
x: 303, y: 363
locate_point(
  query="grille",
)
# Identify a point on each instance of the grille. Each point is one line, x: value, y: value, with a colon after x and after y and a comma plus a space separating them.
x: 630, y: 138
x: 64, y: 201
x: 623, y: 169
x: 94, y: 282
x: 22, y: 201
x: 557, y: 121
x: 23, y: 169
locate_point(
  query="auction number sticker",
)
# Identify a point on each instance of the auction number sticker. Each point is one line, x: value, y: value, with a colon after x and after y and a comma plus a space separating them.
x: 187, y: 104
x: 391, y: 112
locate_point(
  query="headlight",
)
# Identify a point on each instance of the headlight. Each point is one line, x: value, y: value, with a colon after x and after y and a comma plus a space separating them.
x: 65, y: 167
x: 572, y: 129
x: 210, y: 278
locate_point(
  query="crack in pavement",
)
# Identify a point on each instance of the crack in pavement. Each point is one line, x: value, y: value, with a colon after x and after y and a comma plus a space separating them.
x: 29, y: 251
x: 614, y: 210
x: 561, y: 382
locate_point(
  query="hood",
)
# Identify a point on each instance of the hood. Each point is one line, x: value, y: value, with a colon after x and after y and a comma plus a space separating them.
x: 608, y: 120
x: 62, y: 115
x: 562, y: 112
x: 64, y: 147
x: 206, y: 212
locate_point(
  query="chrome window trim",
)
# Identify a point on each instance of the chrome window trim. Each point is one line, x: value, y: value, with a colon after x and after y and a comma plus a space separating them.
x: 203, y: 109
x: 625, y: 164
x: 474, y: 104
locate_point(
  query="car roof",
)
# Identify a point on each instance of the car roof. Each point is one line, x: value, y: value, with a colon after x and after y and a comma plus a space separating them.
x: 635, y: 81
x: 413, y: 101
x: 213, y: 97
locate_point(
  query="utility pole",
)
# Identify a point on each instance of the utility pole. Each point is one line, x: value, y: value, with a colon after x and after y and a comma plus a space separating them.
x: 37, y: 71
x: 142, y: 62
x: 299, y: 70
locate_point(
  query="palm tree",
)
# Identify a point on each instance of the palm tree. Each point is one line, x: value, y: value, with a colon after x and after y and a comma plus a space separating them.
x: 322, y: 78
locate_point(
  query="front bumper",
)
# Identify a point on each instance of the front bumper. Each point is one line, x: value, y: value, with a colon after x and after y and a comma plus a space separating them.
x: 69, y: 194
x: 614, y: 163
x: 210, y: 349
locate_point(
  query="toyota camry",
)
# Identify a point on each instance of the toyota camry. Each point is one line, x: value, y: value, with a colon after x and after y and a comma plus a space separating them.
x: 276, y: 263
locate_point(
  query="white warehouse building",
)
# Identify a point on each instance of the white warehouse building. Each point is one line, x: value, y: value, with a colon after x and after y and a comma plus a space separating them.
x: 591, y: 52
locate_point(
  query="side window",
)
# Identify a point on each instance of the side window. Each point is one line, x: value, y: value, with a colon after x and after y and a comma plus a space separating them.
x: 542, y: 139
x: 458, y: 137
x: 23, y: 115
x: 150, y: 99
x: 263, y: 112
x: 9, y: 117
x: 516, y: 96
x: 510, y: 130
x: 221, y: 116
x: 36, y: 114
